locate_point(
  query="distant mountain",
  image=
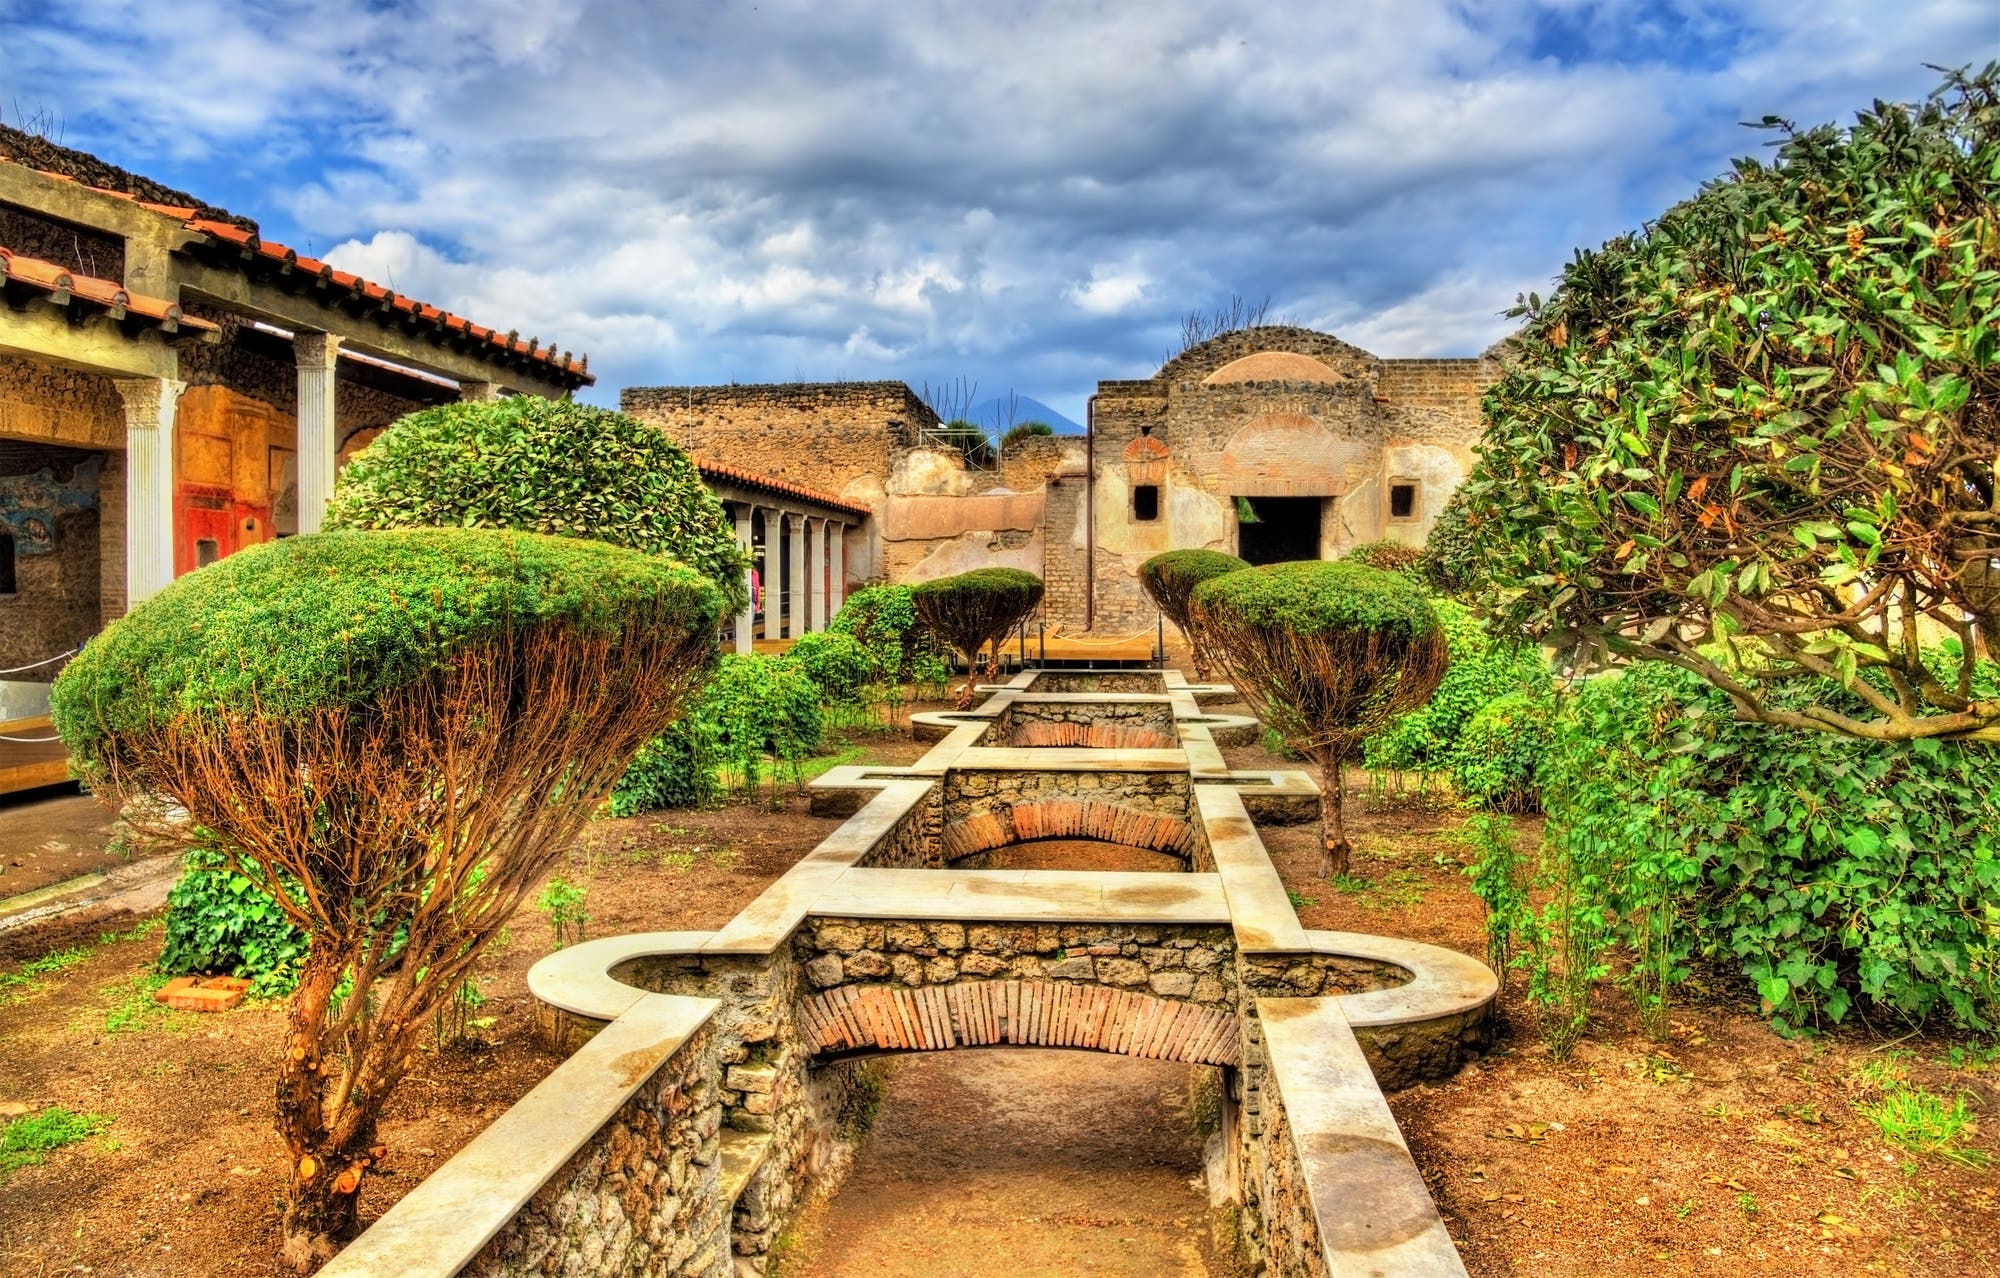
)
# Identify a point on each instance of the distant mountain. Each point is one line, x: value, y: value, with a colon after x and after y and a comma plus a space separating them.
x: 993, y: 415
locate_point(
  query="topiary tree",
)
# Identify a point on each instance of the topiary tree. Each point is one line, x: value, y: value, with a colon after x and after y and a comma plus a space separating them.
x: 408, y: 727
x: 1328, y: 653
x: 1389, y: 556
x: 976, y: 608
x: 1170, y: 580
x: 1757, y: 440
x: 546, y: 466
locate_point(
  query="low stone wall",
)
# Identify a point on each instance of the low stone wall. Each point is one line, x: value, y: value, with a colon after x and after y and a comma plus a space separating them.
x: 914, y: 842
x: 1135, y: 725
x: 640, y: 1197
x: 970, y: 793
x: 1144, y: 682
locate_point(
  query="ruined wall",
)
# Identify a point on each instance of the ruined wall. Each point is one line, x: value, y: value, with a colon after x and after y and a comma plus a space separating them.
x: 79, y: 249
x: 1280, y: 1222
x: 54, y: 405
x: 640, y: 1196
x: 49, y: 515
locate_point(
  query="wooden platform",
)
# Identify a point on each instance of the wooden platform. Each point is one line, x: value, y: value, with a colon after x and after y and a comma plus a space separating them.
x: 29, y: 765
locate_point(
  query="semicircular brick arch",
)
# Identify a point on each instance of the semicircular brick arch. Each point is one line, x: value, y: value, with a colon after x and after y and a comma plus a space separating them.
x: 933, y: 1018
x: 1103, y: 736
x: 1069, y: 819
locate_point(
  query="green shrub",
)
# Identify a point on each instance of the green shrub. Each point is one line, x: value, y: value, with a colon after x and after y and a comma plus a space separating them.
x: 835, y: 661
x: 1328, y: 654
x: 883, y: 620
x: 753, y: 707
x: 1829, y: 872
x: 1389, y: 556
x: 1482, y: 670
x: 976, y: 608
x: 1026, y: 430
x: 221, y: 921
x: 1497, y: 758
x: 546, y: 466
x: 673, y: 770
x: 1170, y: 578
x: 1452, y: 555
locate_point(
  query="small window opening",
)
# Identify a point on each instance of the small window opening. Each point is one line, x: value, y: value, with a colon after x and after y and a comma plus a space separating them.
x: 1146, y: 503
x: 206, y: 551
x: 1402, y: 501
x: 7, y: 586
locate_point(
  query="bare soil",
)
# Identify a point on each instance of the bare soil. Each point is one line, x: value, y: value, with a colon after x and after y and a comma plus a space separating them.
x: 50, y: 835
x: 1029, y: 1162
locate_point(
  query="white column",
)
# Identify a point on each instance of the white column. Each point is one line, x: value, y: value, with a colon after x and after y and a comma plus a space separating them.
x: 774, y: 571
x: 836, y: 583
x: 748, y: 617
x: 149, y: 483
x: 816, y: 568
x: 797, y: 578
x: 316, y: 354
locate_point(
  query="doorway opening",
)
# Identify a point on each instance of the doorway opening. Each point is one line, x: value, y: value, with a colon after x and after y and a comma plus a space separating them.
x: 1276, y: 530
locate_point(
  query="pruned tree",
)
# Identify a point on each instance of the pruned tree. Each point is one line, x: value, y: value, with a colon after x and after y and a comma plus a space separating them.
x: 975, y: 609
x: 408, y: 726
x: 1170, y: 580
x: 1758, y: 439
x: 547, y: 466
x: 1389, y: 556
x: 1328, y: 654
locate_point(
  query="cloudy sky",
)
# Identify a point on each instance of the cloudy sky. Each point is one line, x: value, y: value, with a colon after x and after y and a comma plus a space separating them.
x: 1028, y: 195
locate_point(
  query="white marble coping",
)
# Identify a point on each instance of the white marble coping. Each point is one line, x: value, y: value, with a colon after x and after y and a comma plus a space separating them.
x: 456, y: 1210
x: 1068, y: 759
x: 1442, y: 982
x: 1025, y: 896
x: 1375, y: 1214
x: 1092, y: 698
x: 1259, y: 908
x: 1283, y: 782
x: 577, y: 979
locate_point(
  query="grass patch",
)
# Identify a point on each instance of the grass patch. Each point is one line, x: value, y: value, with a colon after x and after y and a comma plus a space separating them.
x: 133, y: 1007
x: 27, y: 1142
x: 1396, y: 890
x: 16, y: 985
x: 1300, y: 900
x: 1923, y: 1122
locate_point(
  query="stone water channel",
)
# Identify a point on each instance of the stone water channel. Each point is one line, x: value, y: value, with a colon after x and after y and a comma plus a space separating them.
x: 717, y: 1079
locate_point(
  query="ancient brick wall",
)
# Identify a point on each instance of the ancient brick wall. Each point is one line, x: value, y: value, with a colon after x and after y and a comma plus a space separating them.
x: 79, y: 249
x: 54, y: 405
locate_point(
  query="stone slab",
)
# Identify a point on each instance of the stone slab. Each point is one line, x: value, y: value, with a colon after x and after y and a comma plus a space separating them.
x: 443, y: 1222
x: 1006, y: 896
x: 577, y: 978
x: 1259, y: 908
x: 1068, y: 759
x: 1376, y: 1217
x: 1442, y: 982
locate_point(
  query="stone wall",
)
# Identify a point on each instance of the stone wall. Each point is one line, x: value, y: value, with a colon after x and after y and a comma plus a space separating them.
x: 77, y: 249
x: 1132, y: 725
x: 641, y: 1196
x: 970, y: 792
x: 1280, y: 1223
x: 50, y: 404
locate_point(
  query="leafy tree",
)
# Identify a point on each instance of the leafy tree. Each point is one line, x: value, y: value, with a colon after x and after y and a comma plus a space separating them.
x: 976, y: 608
x: 1757, y: 439
x: 1171, y: 578
x: 1451, y: 564
x: 1327, y: 653
x: 409, y: 726
x: 546, y: 466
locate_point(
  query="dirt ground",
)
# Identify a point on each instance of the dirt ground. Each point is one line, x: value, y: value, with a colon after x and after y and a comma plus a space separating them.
x: 52, y: 834
x: 1030, y: 1162
x: 1723, y: 1147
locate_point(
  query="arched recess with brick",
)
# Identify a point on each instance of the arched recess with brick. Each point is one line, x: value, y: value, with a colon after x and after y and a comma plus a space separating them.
x: 933, y: 1018
x: 1103, y: 736
x: 1070, y: 819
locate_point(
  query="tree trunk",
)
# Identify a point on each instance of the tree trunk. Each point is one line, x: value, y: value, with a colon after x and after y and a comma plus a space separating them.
x: 1335, y: 850
x: 323, y: 1188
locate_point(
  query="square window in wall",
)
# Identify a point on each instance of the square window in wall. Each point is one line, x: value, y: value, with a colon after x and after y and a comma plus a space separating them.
x: 1402, y: 501
x: 1145, y: 503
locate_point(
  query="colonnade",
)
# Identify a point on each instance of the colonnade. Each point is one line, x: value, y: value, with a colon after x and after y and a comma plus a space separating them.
x: 802, y: 571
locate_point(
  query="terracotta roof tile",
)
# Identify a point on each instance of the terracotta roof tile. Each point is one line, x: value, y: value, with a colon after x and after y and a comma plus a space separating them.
x: 63, y: 286
x: 771, y: 483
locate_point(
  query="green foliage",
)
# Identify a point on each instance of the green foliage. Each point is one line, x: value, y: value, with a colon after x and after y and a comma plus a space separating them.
x: 28, y: 1141
x: 1500, y: 876
x: 1389, y: 556
x: 835, y: 661
x: 883, y: 620
x: 338, y: 619
x: 1025, y: 430
x: 220, y: 921
x: 545, y: 466
x: 1452, y: 558
x: 561, y: 902
x: 753, y: 707
x: 1497, y: 759
x: 1170, y: 579
x: 976, y: 608
x: 1923, y: 1122
x: 1316, y: 597
x: 1757, y: 438
x: 1831, y: 873
x: 15, y: 984
x: 970, y: 439
x: 1483, y: 669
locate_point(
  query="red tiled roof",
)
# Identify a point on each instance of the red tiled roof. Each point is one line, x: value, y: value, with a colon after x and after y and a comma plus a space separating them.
x: 251, y: 250
x: 563, y: 366
x: 64, y: 286
x: 771, y: 483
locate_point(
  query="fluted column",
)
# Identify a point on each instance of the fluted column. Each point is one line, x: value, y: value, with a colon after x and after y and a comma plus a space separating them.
x: 748, y: 617
x: 797, y: 577
x: 774, y: 572
x: 816, y: 570
x: 316, y: 353
x: 149, y: 483
x: 836, y: 573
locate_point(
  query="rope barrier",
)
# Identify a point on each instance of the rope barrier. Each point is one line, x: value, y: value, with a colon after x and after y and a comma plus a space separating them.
x: 30, y: 740
x: 46, y: 661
